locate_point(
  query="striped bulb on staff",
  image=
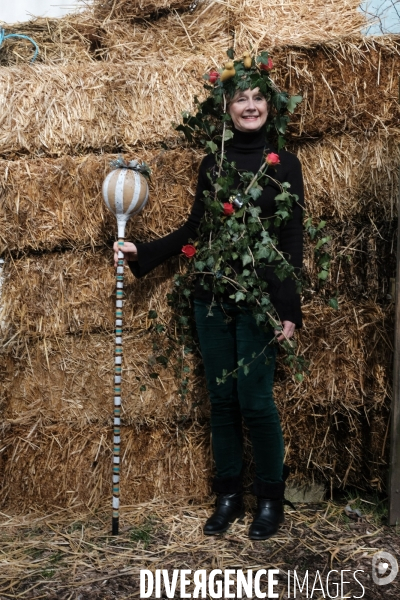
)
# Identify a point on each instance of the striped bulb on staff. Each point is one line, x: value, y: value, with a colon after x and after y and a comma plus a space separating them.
x: 125, y: 192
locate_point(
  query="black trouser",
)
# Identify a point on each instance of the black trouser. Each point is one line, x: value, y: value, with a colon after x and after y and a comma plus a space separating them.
x: 228, y: 334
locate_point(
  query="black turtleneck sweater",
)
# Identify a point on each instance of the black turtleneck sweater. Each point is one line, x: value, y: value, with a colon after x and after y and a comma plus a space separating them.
x: 247, y: 150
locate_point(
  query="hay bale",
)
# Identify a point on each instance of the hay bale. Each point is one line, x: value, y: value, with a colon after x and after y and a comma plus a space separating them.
x: 336, y: 422
x: 128, y: 10
x: 349, y: 177
x: 262, y: 25
x: 72, y: 38
x: 187, y: 39
x: 109, y: 107
x: 50, y: 465
x: 104, y: 107
x: 49, y: 204
x: 54, y: 295
x: 71, y: 378
x: 363, y: 263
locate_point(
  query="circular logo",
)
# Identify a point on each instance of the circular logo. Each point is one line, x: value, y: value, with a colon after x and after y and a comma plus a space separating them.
x: 384, y: 568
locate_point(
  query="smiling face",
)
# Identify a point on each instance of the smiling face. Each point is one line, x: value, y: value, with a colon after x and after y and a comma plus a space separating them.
x: 248, y: 110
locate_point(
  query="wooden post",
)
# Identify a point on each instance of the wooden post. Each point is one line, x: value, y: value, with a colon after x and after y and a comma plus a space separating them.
x: 394, y: 465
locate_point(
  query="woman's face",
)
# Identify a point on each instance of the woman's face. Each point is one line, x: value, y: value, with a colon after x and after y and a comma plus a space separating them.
x: 248, y: 110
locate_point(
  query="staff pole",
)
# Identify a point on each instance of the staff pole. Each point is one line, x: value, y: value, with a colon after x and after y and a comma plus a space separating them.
x: 125, y: 192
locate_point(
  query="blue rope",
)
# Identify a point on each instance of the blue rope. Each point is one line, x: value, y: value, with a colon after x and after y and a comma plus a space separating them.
x: 19, y: 35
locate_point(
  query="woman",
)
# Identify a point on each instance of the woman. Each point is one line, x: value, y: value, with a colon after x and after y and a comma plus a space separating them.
x: 232, y: 338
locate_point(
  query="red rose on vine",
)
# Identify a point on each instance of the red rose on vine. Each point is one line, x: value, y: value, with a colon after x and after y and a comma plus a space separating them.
x: 272, y: 159
x: 213, y: 76
x: 268, y: 66
x: 228, y: 208
x: 189, y: 250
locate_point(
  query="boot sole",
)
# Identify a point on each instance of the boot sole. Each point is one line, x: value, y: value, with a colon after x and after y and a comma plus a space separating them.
x: 252, y: 536
x: 241, y: 516
x: 263, y: 537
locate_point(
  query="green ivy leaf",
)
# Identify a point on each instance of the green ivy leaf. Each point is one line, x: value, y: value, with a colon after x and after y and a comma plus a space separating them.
x: 239, y: 296
x: 293, y: 102
x: 333, y: 303
x: 255, y: 192
x: 283, y: 196
x: 228, y: 135
x: 212, y: 147
x: 322, y: 241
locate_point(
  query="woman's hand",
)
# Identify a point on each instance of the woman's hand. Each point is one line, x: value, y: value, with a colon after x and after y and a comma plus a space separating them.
x: 129, y: 251
x: 287, y: 331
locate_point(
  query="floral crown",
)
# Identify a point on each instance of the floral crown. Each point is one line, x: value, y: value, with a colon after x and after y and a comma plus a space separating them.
x: 246, y: 73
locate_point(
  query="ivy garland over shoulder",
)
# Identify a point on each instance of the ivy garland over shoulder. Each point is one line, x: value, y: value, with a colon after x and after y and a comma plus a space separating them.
x: 234, y: 241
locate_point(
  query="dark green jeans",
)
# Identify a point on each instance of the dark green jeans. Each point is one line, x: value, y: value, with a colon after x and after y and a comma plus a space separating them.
x: 227, y: 334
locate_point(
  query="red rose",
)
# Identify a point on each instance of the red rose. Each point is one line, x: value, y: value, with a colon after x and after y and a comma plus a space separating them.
x: 213, y: 76
x: 267, y: 67
x: 189, y: 250
x: 272, y: 159
x: 228, y: 208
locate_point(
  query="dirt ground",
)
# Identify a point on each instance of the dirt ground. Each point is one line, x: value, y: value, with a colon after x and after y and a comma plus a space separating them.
x: 70, y: 555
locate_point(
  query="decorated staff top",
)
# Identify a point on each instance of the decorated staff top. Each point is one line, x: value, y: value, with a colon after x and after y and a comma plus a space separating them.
x: 125, y: 190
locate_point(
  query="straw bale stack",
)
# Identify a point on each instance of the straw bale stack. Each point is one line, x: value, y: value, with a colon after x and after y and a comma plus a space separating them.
x: 67, y: 380
x: 341, y: 409
x: 51, y: 465
x: 119, y: 29
x: 110, y: 107
x: 57, y: 319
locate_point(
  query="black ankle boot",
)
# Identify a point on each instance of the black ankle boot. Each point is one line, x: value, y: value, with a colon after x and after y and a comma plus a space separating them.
x: 267, y: 519
x: 229, y: 507
x: 270, y: 502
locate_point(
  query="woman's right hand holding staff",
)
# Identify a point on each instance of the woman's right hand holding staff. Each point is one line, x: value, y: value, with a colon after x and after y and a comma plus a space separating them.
x: 129, y: 251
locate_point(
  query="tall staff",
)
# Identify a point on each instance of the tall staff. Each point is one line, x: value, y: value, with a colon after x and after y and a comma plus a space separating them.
x: 125, y: 192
